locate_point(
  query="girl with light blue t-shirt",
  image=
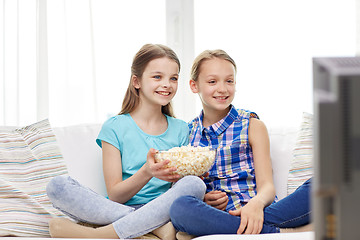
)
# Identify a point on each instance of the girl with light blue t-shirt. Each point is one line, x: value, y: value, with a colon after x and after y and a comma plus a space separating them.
x: 138, y: 188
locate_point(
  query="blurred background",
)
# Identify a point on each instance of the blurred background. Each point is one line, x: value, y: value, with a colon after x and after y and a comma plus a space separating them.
x: 69, y: 60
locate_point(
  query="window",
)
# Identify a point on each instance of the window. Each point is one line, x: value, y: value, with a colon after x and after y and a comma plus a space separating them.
x: 272, y: 43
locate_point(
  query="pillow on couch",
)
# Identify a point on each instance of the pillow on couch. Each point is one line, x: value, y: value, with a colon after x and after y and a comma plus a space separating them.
x: 301, y: 167
x: 29, y: 158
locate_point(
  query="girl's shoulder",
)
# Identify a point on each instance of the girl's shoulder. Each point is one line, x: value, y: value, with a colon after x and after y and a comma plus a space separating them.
x: 117, y: 121
x: 246, y: 114
x: 175, y: 122
x: 112, y: 129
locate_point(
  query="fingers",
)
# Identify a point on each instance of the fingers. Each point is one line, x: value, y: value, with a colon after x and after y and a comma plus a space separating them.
x: 162, y: 166
x: 167, y: 178
x: 166, y: 174
x: 160, y: 169
x: 248, y: 225
x: 260, y: 226
x: 204, y: 175
x: 214, y: 195
x: 243, y: 224
x: 151, y: 154
x: 217, y: 199
x: 253, y: 227
x: 236, y: 212
x: 223, y: 205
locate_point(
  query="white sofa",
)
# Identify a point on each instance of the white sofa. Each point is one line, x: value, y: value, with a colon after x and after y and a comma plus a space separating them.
x: 83, y: 159
x: 78, y: 147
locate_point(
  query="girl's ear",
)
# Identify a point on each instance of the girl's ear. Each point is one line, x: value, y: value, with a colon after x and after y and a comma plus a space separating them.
x: 193, y: 86
x: 135, y: 81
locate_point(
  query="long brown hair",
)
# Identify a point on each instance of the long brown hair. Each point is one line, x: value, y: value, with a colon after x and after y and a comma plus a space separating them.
x: 147, y: 53
x: 207, y: 55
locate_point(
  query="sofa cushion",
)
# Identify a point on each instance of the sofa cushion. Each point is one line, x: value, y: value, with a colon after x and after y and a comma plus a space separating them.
x: 82, y: 155
x: 301, y: 167
x: 282, y: 142
x: 29, y: 158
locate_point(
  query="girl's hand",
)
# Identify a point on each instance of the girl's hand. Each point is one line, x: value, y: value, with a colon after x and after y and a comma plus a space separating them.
x: 159, y: 170
x: 252, y: 218
x: 205, y: 175
x: 217, y: 199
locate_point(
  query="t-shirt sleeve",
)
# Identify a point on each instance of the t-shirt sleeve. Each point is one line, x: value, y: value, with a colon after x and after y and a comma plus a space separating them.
x: 108, y: 133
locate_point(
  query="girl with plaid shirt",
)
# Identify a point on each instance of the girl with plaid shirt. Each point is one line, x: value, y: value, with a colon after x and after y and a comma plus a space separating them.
x: 240, y: 190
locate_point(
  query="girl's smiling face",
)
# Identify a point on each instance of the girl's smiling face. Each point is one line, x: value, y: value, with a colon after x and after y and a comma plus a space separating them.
x: 159, y: 81
x: 215, y: 84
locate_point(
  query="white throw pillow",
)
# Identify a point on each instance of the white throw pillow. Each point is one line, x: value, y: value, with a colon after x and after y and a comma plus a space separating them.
x: 29, y: 158
x: 301, y: 167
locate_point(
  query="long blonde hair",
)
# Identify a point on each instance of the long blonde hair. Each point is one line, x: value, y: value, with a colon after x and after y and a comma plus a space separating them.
x: 207, y: 55
x: 147, y: 53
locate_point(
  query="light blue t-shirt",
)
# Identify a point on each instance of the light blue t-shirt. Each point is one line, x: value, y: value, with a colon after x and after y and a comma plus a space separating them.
x: 122, y: 132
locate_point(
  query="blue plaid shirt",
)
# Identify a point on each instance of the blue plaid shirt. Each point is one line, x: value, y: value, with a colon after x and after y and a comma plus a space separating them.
x: 233, y: 171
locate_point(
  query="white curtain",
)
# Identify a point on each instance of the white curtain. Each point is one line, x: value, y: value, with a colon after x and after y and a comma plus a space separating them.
x: 69, y: 60
x: 18, y: 61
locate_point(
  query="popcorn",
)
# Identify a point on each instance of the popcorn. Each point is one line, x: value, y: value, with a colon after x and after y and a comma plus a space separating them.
x: 188, y: 160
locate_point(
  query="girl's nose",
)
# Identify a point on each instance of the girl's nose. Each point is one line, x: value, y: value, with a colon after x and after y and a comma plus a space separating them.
x: 221, y: 87
x: 165, y: 83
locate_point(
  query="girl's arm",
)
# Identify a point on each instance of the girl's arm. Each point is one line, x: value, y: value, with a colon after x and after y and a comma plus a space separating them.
x: 252, y: 214
x: 122, y: 191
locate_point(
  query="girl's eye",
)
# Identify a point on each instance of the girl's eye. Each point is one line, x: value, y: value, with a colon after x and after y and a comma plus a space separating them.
x: 157, y: 77
x: 174, y: 79
x: 230, y: 81
x: 211, y: 81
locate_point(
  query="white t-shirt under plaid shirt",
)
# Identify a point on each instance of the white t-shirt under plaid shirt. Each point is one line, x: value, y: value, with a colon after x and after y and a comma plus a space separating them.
x: 233, y: 171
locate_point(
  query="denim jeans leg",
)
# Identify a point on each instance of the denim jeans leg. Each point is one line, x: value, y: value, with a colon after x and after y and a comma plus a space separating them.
x: 291, y: 211
x: 198, y: 218
x: 83, y: 204
x: 156, y: 213
x: 195, y: 217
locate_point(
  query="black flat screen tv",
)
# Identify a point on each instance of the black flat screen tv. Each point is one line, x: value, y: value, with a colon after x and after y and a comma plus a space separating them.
x: 336, y: 185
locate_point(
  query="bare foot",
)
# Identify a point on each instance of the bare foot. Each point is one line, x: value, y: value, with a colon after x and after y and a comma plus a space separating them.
x: 64, y: 228
x: 304, y: 228
x: 184, y: 236
x: 166, y: 231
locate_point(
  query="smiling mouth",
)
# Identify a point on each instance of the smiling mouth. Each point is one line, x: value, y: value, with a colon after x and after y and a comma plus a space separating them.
x: 221, y: 98
x: 164, y: 93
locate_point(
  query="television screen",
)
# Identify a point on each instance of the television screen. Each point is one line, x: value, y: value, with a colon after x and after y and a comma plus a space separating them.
x: 336, y: 189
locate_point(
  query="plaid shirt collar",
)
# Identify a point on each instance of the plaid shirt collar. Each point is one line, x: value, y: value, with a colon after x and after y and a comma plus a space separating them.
x: 219, y: 127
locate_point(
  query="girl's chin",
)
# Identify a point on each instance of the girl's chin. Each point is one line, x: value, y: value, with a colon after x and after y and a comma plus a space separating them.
x: 221, y: 103
x: 163, y: 103
x: 219, y: 107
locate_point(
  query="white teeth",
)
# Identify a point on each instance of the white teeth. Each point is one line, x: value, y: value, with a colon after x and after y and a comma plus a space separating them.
x: 222, y: 98
x: 164, y: 93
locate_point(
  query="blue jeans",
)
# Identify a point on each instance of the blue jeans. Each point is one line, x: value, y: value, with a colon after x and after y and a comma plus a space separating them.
x: 83, y: 204
x: 198, y: 218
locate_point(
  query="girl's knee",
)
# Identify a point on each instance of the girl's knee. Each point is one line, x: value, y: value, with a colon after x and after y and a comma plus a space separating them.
x: 56, y: 186
x: 195, y: 186
x: 182, y: 202
x: 179, y: 206
x: 183, y: 211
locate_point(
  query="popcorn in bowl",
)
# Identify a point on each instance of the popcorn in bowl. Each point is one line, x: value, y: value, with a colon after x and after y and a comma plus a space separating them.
x: 188, y: 160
